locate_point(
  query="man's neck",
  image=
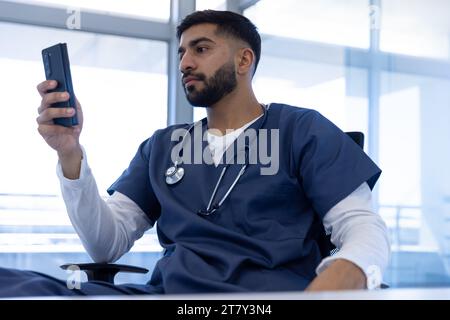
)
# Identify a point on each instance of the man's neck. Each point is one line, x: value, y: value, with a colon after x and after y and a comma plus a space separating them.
x: 233, y: 111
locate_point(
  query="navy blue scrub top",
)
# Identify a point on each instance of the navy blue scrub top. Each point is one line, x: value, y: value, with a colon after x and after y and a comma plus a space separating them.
x: 265, y: 236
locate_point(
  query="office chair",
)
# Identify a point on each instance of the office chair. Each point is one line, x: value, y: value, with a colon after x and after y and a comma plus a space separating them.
x: 102, y: 271
x: 327, y: 247
x: 107, y: 271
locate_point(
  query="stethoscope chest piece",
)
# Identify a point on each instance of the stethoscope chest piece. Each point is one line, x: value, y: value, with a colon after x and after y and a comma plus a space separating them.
x: 174, y: 174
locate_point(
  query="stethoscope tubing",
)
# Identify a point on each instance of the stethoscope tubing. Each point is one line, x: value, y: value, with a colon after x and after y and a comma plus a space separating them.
x: 175, y: 174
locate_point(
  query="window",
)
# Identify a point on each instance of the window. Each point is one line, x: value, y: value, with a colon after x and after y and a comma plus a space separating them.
x: 335, y: 91
x: 120, y: 82
x: 415, y: 188
x: 148, y: 9
x: 416, y: 27
x: 327, y: 21
x: 122, y: 86
x: 210, y: 4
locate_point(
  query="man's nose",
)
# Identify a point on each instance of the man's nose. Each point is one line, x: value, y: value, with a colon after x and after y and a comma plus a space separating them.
x: 187, y: 63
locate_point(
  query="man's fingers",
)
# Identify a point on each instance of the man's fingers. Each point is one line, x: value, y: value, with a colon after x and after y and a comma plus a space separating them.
x: 47, y: 115
x: 45, y: 129
x: 51, y: 98
x: 51, y: 130
x: 54, y: 97
x: 44, y: 86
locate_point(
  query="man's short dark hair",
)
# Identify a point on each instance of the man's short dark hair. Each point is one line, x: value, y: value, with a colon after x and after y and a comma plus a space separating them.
x: 228, y: 23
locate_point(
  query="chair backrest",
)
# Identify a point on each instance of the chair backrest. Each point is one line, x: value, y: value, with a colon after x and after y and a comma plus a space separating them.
x: 358, y: 137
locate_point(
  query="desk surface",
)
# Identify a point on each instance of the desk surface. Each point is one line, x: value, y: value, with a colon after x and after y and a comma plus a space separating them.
x: 386, y: 294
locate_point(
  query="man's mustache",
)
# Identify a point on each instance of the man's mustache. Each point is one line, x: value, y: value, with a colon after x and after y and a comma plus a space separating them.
x: 198, y: 76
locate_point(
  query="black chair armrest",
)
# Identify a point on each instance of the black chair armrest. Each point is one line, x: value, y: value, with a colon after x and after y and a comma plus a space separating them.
x: 103, y: 271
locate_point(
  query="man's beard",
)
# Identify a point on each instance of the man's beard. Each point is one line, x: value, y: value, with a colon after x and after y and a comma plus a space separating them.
x: 215, y: 88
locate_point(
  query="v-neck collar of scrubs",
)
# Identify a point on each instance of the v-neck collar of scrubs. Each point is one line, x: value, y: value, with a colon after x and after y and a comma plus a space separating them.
x: 255, y: 124
x: 218, y: 145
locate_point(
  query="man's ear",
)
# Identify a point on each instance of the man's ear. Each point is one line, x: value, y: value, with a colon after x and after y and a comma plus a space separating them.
x: 245, y: 58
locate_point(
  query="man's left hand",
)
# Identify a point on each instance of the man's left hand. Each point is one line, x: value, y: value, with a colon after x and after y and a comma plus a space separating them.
x: 340, y: 275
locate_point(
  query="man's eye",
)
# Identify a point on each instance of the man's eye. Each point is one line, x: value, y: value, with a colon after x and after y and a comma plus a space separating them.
x: 201, y: 49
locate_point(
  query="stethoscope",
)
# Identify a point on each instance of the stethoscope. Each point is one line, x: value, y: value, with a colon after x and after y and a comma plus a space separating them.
x: 175, y: 173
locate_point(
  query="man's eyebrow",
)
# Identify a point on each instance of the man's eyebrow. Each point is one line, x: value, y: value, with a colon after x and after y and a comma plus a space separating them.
x: 195, y: 42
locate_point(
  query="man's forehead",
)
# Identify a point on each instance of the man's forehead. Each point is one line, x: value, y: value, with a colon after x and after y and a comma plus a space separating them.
x: 204, y: 30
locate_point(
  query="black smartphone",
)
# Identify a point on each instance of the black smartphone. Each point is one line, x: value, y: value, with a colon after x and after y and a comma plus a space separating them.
x: 57, y: 67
